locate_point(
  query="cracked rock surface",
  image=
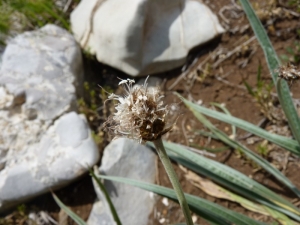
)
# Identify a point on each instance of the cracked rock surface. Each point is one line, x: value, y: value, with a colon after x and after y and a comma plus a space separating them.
x: 44, y: 143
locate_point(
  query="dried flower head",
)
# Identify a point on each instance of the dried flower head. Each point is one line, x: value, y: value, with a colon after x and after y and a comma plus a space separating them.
x: 289, y: 73
x: 140, y: 113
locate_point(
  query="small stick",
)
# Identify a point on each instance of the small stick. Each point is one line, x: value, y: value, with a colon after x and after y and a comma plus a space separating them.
x: 238, y: 48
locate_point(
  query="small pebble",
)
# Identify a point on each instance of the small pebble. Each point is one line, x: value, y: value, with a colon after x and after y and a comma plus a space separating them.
x: 162, y: 220
x: 165, y: 201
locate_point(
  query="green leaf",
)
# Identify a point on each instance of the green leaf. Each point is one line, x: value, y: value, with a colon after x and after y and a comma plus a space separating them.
x: 213, y: 150
x: 284, y: 58
x: 282, y: 141
x: 234, y: 144
x: 290, y: 50
x: 210, y: 211
x: 249, y: 89
x: 71, y: 214
x: 231, y: 179
x: 262, y: 37
x: 217, y: 191
x: 228, y: 113
x: 106, y: 195
x: 289, y: 108
x: 273, y: 63
x: 258, y: 77
x: 206, y: 134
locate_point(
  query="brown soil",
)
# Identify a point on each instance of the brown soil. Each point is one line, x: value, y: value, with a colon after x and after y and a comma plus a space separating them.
x: 222, y: 84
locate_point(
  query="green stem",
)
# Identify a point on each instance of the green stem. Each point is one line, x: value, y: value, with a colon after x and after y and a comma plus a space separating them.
x: 110, y: 204
x: 174, y: 180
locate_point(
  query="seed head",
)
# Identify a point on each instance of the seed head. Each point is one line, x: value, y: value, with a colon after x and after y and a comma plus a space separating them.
x: 140, y: 113
x: 289, y: 73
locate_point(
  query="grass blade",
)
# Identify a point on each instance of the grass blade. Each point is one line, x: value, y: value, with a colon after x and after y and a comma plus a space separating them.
x: 106, y: 195
x: 281, y: 141
x: 253, y: 156
x: 231, y: 179
x: 217, y: 191
x: 289, y: 108
x: 208, y: 210
x: 262, y: 37
x: 273, y: 63
x: 226, y: 111
x: 69, y: 212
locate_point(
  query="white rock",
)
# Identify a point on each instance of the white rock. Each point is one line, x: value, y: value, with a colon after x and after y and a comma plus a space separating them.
x: 42, y: 145
x: 142, y: 37
x: 152, y: 81
x: 64, y: 153
x: 125, y: 158
x: 1, y: 53
x: 100, y: 215
x: 165, y: 201
x: 43, y: 66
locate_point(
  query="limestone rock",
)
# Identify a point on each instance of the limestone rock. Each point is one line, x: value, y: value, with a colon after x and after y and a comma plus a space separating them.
x: 1, y: 53
x: 125, y: 158
x: 63, y: 154
x: 142, y: 37
x: 100, y: 215
x: 42, y: 144
x: 43, y: 66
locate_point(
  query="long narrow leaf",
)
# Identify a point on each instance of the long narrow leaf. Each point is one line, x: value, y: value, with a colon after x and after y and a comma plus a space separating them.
x: 253, y: 156
x: 245, y: 190
x: 260, y: 161
x: 273, y: 63
x: 226, y: 111
x: 217, y: 191
x: 289, y: 109
x: 69, y: 212
x: 208, y: 210
x: 262, y: 37
x: 282, y: 141
x: 231, y: 179
x: 106, y: 195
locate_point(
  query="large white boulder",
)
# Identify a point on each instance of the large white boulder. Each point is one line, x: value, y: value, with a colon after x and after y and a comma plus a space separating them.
x: 142, y: 37
x: 44, y: 144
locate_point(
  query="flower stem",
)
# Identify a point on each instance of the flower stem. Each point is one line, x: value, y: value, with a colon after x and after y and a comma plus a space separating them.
x: 174, y: 180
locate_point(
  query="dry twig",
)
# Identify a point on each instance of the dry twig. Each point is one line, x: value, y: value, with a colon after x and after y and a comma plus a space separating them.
x: 235, y: 50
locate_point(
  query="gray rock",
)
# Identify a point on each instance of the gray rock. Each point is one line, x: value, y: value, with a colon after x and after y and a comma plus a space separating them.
x: 144, y: 36
x: 63, y: 154
x: 44, y: 66
x: 125, y: 158
x: 42, y: 144
x: 1, y: 53
x: 152, y: 81
x: 100, y: 215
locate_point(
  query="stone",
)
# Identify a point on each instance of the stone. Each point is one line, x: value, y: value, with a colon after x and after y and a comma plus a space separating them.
x: 100, y: 215
x: 44, y: 66
x: 152, y: 81
x: 125, y: 158
x: 44, y: 143
x: 64, y: 153
x: 142, y: 37
x: 1, y: 53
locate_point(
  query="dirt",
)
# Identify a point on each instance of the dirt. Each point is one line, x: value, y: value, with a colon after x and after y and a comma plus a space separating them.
x: 222, y: 84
